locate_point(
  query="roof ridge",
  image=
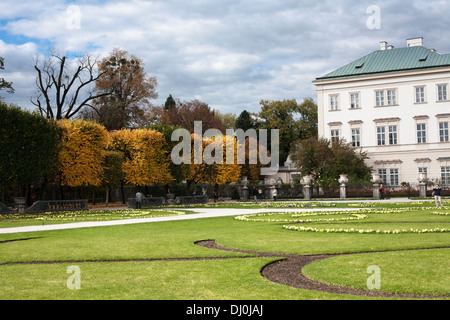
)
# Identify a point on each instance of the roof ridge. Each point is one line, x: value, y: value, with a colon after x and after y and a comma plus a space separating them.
x: 391, y: 60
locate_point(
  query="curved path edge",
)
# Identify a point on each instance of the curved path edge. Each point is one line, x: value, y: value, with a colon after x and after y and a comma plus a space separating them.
x: 288, y: 271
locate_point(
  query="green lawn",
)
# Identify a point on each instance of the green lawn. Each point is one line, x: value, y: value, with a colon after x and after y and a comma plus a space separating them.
x: 21, y: 220
x: 104, y: 256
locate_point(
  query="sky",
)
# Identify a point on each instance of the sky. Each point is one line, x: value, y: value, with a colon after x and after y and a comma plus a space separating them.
x: 229, y: 54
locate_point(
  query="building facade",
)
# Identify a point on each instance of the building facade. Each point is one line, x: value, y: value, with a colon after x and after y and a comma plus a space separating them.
x: 393, y: 104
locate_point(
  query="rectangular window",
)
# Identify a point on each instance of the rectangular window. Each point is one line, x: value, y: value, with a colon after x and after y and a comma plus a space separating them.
x: 393, y: 135
x: 354, y: 101
x: 420, y: 94
x: 445, y: 175
x: 423, y: 170
x: 393, y: 177
x: 334, y: 136
x: 421, y: 133
x: 392, y: 97
x: 379, y: 98
x: 442, y: 92
x: 381, y: 136
x: 383, y: 175
x: 334, y: 102
x: 443, y: 132
x: 356, y: 137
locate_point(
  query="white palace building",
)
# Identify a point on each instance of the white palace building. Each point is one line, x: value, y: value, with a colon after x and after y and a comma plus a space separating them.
x: 394, y: 104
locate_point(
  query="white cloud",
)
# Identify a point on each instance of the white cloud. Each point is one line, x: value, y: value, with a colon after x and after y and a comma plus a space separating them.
x: 18, y: 61
x: 232, y: 53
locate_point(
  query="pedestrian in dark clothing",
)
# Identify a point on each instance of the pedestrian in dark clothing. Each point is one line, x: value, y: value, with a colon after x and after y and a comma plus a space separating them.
x: 139, y: 197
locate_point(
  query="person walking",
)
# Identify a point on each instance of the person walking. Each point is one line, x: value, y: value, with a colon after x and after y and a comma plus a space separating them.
x: 437, y: 196
x: 255, y: 194
x: 382, y: 191
x: 139, y: 197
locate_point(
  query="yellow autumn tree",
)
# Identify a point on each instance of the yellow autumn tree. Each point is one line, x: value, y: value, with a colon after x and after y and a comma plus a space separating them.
x: 82, y: 154
x: 146, y: 161
x: 219, y: 171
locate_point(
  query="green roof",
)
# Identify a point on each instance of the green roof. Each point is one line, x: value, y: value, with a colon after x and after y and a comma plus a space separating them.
x: 393, y: 60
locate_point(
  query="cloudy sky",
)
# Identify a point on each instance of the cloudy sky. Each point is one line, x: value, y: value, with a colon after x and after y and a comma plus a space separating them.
x: 228, y: 53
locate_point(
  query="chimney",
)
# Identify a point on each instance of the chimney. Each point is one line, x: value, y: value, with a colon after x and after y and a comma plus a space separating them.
x: 383, y: 45
x: 414, y: 42
x: 390, y: 47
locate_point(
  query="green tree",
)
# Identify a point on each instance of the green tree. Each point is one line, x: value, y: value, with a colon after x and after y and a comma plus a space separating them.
x: 308, y: 121
x: 294, y: 121
x: 244, y: 121
x: 3, y: 83
x: 29, y: 147
x: 325, y: 161
x: 228, y: 119
x: 170, y: 103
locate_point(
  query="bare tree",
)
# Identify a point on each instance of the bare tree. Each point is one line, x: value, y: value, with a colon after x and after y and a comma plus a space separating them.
x: 64, y: 87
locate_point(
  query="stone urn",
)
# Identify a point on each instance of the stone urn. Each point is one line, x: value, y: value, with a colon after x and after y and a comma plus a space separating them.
x: 343, y: 180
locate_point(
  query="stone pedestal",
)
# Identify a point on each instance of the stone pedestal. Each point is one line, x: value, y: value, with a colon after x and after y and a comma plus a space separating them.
x: 245, y: 193
x: 422, y: 190
x: 307, y: 189
x: 343, y: 192
x: 343, y: 180
x: 307, y: 192
x: 376, y: 191
x: 423, y: 179
x: 376, y: 180
x: 170, y: 197
x: 19, y: 203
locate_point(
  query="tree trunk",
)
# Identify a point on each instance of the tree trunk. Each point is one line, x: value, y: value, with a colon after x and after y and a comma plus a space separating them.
x: 107, y: 196
x: 123, y: 192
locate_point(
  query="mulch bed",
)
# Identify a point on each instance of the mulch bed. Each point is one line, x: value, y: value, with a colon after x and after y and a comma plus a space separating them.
x: 288, y: 271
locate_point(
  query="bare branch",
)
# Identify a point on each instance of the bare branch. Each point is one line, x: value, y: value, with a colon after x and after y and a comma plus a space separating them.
x: 65, y: 89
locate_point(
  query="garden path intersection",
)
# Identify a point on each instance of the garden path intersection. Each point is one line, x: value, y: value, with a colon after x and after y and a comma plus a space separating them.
x: 200, y: 214
x: 286, y: 269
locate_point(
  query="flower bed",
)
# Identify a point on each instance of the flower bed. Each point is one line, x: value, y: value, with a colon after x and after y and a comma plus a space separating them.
x: 365, y: 231
x: 341, y: 215
x: 92, y: 215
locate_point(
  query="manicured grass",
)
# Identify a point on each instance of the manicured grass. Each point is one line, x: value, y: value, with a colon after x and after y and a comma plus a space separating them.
x: 20, y: 220
x: 162, y: 280
x: 233, y: 279
x: 421, y: 272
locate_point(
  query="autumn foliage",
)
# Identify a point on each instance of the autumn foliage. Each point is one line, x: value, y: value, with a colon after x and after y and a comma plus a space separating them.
x: 146, y: 161
x: 82, y: 154
x: 219, y: 172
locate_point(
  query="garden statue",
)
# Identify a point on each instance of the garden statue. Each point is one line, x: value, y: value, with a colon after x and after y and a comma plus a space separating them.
x: 343, y: 180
